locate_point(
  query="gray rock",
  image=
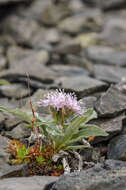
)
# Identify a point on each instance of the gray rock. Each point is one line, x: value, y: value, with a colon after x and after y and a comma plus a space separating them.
x: 4, y: 156
x: 69, y: 70
x: 88, y: 102
x: 114, y: 27
x: 82, y: 85
x: 70, y: 47
x: 111, y: 103
x: 14, y: 90
x: 20, y: 131
x: 53, y: 13
x: 12, y: 1
x: 112, y: 126
x: 110, y: 74
x: 11, y: 121
x: 17, y: 28
x: 2, y: 119
x: 7, y: 170
x: 117, y: 148
x: 22, y: 61
x: 11, y: 104
x: 109, y: 175
x: 106, y: 55
x: 107, y: 5
x: 27, y: 183
x: 3, y: 62
x: 81, y: 22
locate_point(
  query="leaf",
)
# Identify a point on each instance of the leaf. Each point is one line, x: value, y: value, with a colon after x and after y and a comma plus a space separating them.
x: 72, y: 129
x: 4, y: 82
x: 76, y: 147
x: 21, y: 152
x: 90, y: 130
x: 17, y: 112
x: 40, y: 159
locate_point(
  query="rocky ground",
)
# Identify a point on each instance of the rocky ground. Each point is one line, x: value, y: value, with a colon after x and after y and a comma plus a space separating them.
x: 78, y: 45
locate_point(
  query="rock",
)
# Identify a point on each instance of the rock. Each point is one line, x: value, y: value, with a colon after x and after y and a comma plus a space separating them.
x: 82, y: 85
x: 4, y: 156
x: 89, y: 20
x: 88, y: 102
x: 29, y: 183
x: 69, y: 70
x: 2, y: 119
x: 17, y: 28
x: 11, y: 121
x: 110, y: 74
x: 12, y: 1
x: 70, y: 47
x: 112, y: 126
x: 53, y: 13
x: 14, y: 90
x: 117, y: 148
x: 76, y: 6
x: 22, y: 61
x: 111, y: 103
x: 7, y: 170
x: 106, y: 5
x: 79, y: 61
x: 3, y: 62
x: 39, y: 94
x: 114, y: 27
x: 52, y: 36
x: 106, y: 55
x: 20, y: 131
x: 108, y: 175
x: 11, y: 104
x: 86, y: 40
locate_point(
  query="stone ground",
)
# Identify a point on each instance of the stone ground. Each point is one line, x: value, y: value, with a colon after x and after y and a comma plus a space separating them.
x: 77, y: 45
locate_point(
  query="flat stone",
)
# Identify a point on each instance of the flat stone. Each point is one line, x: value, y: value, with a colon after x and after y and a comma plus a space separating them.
x: 82, y: 85
x: 16, y: 27
x: 111, y: 103
x: 110, y: 74
x: 11, y: 121
x: 112, y: 126
x: 114, y: 27
x: 81, y: 22
x: 88, y: 102
x: 109, y: 175
x: 53, y: 13
x: 20, y: 131
x: 106, y: 55
x: 7, y: 171
x: 39, y: 94
x: 22, y: 61
x: 69, y: 47
x: 2, y: 119
x: 11, y: 104
x: 12, y: 1
x: 69, y: 70
x: 14, y: 90
x: 117, y: 148
x: 29, y: 183
x: 4, y: 156
x: 3, y: 62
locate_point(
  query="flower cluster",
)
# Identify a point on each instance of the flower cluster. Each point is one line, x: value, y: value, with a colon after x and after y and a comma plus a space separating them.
x: 60, y: 99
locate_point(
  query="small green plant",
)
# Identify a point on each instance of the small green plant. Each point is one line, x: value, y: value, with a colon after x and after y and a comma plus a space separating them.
x: 54, y: 136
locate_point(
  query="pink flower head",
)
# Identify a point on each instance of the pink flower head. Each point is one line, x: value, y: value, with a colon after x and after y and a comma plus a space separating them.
x: 60, y: 99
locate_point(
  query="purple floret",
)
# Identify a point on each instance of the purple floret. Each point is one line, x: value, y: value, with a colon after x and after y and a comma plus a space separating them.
x: 60, y: 99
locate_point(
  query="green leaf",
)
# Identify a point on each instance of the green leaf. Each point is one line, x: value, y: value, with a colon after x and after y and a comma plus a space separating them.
x: 4, y: 82
x: 76, y: 147
x: 40, y: 159
x: 17, y: 112
x: 90, y: 130
x: 21, y: 152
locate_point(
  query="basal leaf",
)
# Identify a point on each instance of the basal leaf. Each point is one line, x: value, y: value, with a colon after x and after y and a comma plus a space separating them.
x: 17, y: 112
